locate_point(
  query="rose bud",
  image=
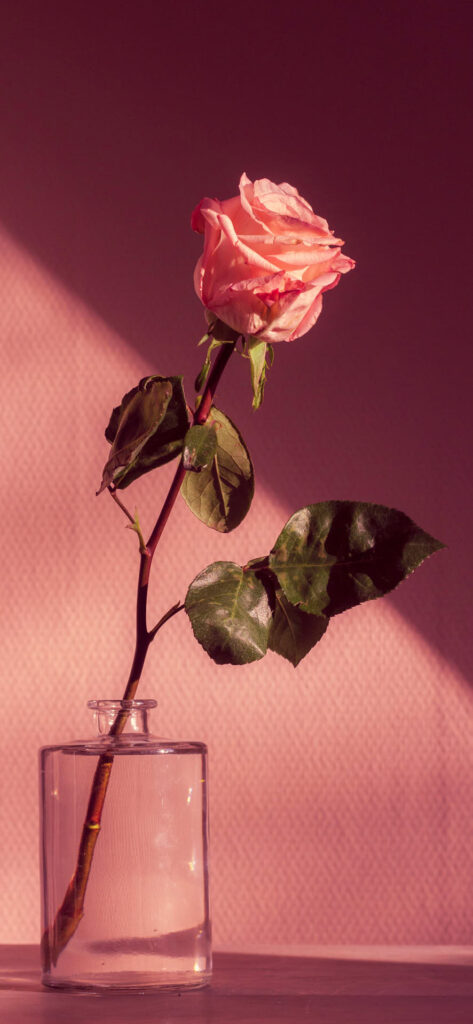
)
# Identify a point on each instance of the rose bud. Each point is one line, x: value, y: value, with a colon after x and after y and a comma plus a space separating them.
x: 267, y: 260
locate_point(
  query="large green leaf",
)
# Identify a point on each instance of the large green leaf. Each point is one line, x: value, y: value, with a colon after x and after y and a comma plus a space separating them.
x: 135, y: 422
x: 294, y: 633
x: 230, y: 613
x: 221, y: 494
x: 337, y: 554
x: 200, y: 446
x: 164, y: 441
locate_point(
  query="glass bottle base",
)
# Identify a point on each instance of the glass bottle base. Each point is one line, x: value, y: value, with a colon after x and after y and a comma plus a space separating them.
x: 131, y: 981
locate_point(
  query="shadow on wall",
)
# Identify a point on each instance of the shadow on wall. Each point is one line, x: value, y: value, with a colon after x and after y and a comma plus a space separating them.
x: 116, y: 123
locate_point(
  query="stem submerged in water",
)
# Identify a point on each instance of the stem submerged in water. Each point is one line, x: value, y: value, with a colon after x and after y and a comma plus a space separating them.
x: 71, y: 911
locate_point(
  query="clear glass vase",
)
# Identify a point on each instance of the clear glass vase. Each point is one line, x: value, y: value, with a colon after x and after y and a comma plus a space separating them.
x: 124, y: 857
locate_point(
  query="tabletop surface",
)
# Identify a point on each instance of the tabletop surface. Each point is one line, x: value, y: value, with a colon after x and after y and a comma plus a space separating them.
x: 327, y: 985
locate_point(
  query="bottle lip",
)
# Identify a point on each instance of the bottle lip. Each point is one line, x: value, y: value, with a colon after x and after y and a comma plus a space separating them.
x: 122, y: 705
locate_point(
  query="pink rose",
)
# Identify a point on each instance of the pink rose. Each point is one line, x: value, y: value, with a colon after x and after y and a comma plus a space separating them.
x: 267, y: 259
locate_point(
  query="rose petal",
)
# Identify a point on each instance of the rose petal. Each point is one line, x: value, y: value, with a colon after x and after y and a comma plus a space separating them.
x: 267, y: 260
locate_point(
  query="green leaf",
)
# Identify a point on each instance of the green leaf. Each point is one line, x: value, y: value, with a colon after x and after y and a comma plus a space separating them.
x: 162, y: 443
x: 135, y: 422
x: 230, y: 613
x: 257, y: 355
x: 337, y: 554
x: 293, y: 632
x: 200, y: 446
x: 221, y: 494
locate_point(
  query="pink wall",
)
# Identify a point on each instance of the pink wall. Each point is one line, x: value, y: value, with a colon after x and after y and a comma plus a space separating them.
x: 340, y: 793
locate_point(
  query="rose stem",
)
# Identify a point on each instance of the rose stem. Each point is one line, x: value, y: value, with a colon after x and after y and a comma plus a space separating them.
x: 71, y: 911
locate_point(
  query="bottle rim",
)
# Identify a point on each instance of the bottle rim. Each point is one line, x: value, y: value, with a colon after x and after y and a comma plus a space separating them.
x: 122, y: 705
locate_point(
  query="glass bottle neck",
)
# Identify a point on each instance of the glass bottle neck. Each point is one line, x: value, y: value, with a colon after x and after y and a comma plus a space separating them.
x: 122, y: 716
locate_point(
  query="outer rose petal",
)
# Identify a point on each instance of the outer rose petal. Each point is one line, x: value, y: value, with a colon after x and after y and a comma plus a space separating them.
x: 197, y: 220
x: 267, y: 260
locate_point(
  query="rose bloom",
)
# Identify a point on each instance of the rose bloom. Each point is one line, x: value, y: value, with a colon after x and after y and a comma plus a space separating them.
x: 267, y: 259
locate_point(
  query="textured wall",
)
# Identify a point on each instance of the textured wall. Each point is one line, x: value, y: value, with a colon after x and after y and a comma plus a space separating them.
x: 341, y: 793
